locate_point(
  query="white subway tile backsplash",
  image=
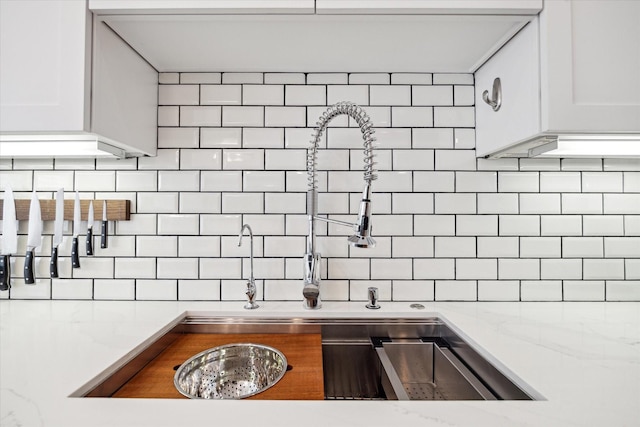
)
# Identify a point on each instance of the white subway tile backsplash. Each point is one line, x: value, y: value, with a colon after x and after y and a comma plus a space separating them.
x: 243, y: 159
x: 157, y: 203
x: 328, y: 160
x: 412, y: 78
x: 411, y: 116
x: 432, y: 138
x: 135, y: 268
x: 242, y: 203
x: 285, y: 159
x: 200, y: 159
x: 182, y: 180
x: 432, y: 95
x: 562, y: 225
x: 228, y: 180
x: 622, y: 203
x: 518, y: 182
x: 198, y: 290
x: 156, y: 290
x: 434, y: 268
x: 178, y: 94
x: 177, y: 224
x: 603, y: 225
x: 285, y: 78
x: 390, y: 95
x: 358, y: 94
x: 370, y: 78
x: 632, y: 225
x: 581, y: 164
x: 621, y: 164
x: 602, y: 182
x: 212, y: 225
x: 168, y: 78
x: 583, y: 290
x: 603, y: 269
x: 285, y: 116
x: 198, y: 246
x: 518, y: 268
x: 463, y: 95
x: 46, y: 180
x: 62, y: 289
x: 434, y: 225
x: 136, y: 181
x: 138, y: 224
x: 539, y: 164
x: 221, y: 95
x: 285, y: 203
x: 498, y: 247
x: 327, y: 78
x: 239, y: 78
x: 519, y: 225
x: 541, y: 290
x: 433, y: 181
x: 200, y: 202
x: 476, y: 182
x: 622, y: 247
x: 581, y: 203
x: 220, y: 268
x: 456, y: 290
x: 455, y: 247
x: 628, y: 290
x: 177, y: 268
x: 392, y: 225
x: 178, y: 137
x: 413, y: 290
x: 476, y: 225
x: 220, y: 138
x: 539, y: 203
x: 632, y: 268
x: 461, y: 117
x: 263, y: 181
x: 561, y: 269
x: 456, y: 160
x: 560, y: 182
x: 200, y: 116
x: 582, y: 247
x: 165, y: 159
x: 498, y: 203
x: 476, y: 268
x: 242, y: 116
x: 116, y: 290
x: 263, y: 138
x: 412, y: 203
x: 631, y: 182
x: 27, y: 164
x: 380, y: 117
x: 156, y: 246
x: 498, y: 290
x: 455, y: 203
x: 413, y: 160
x: 452, y: 78
x: 206, y: 78
x: 305, y: 95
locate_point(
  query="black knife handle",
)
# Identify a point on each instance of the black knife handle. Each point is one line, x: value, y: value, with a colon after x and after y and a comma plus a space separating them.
x: 5, y: 272
x: 53, y: 264
x: 28, y: 268
x: 103, y: 235
x: 89, y: 241
x: 75, y: 256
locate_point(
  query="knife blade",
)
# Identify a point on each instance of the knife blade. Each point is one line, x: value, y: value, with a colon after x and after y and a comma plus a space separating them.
x: 9, y: 238
x: 105, y: 225
x: 90, y: 229
x: 58, y: 227
x: 75, y: 255
x: 34, y: 238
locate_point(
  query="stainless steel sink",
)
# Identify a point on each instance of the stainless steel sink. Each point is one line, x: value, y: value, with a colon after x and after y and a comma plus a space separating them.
x: 363, y: 359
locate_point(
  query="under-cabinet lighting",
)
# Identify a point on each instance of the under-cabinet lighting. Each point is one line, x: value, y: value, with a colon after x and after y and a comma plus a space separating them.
x: 590, y: 146
x: 68, y: 146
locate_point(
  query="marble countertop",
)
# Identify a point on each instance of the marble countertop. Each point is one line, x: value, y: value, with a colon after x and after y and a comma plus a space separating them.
x: 583, y: 358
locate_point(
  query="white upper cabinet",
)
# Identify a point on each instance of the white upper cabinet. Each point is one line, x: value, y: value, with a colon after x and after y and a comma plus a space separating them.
x: 201, y: 6
x: 465, y: 7
x: 63, y: 79
x: 570, y: 77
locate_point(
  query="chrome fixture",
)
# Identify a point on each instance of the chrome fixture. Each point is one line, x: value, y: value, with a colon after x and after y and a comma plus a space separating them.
x: 362, y: 237
x: 495, y: 102
x: 372, y: 294
x: 251, y: 284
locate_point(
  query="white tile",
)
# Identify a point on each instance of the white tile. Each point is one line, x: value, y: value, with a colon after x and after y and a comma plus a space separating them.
x: 6, y: 164
x: 603, y: 225
x: 434, y: 181
x: 631, y: 182
x: 582, y: 247
x: 358, y: 289
x: 460, y: 117
x: 305, y: 95
x: 347, y: 268
x: 583, y: 290
x: 432, y: 138
x: 344, y: 138
x: 337, y: 247
x: 331, y: 203
x: 390, y: 225
x: 74, y: 164
x: 242, y: 116
x: 503, y: 164
x: 220, y: 138
x: 455, y: 160
x: 157, y: 202
x: 474, y: 269
x: 221, y: 180
x: 220, y: 268
x: 283, y: 290
x: 329, y: 160
x: 515, y: 268
x: 581, y: 164
x: 283, y: 246
x: 199, y: 246
x: 498, y: 203
x: 165, y: 159
x: 412, y: 116
x: 136, y: 181
x: 456, y: 290
x: 285, y: 159
x: 346, y: 181
x: 263, y: 224
x: 476, y: 225
x: 220, y: 95
x: 178, y: 137
x: 622, y: 247
x: 628, y: 290
x: 476, y: 182
x: 601, y: 269
x: 622, y: 164
x: 134, y: 268
x: 263, y: 94
x: 238, y: 78
x: 380, y: 117
x: 198, y: 290
x: 464, y: 139
x: 30, y: 164
x: 391, y: 139
x: 220, y: 224
x: 358, y: 94
x: 388, y: 181
x: 297, y: 181
x: 178, y: 180
x: 632, y: 225
x: 284, y: 78
x: 457, y: 203
x: 285, y: 116
x: 390, y: 95
x: 138, y: 224
x: 561, y: 269
x: 200, y: 116
x: 156, y: 246
x: 234, y: 290
x: 518, y: 182
x: 205, y: 78
x: 452, y: 79
x: 177, y: 268
x: 242, y: 202
x: 498, y: 290
x: 412, y: 78
x: 539, y: 290
x: 434, y: 225
x: 433, y: 268
x: 632, y: 268
x: 178, y: 94
x: 263, y: 138
x: 110, y: 289
x: 413, y: 160
x: 455, y: 247
x: 539, y: 203
x: 560, y: 182
x: 285, y: 203
x: 581, y: 204
x: 561, y: 225
x: 44, y: 180
x: 168, y: 78
x: 432, y: 95
x: 177, y: 224
x: 413, y: 290
x: 622, y: 203
x: 230, y: 249
x: 463, y: 95
x: 74, y: 289
x: 519, y: 225
x: 412, y: 247
x: 391, y: 269
x: 327, y: 78
x: 243, y: 159
x: 118, y: 245
x: 382, y: 159
x: 602, y: 182
x: 117, y: 164
x: 156, y: 290
x: 369, y: 78
x: 263, y: 181
x: 168, y: 116
x: 412, y: 203
x: 538, y: 164
x: 498, y: 247
x: 314, y: 114
x: 200, y: 159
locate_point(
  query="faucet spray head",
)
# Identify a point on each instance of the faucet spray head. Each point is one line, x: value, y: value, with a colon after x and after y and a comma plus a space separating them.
x: 362, y: 238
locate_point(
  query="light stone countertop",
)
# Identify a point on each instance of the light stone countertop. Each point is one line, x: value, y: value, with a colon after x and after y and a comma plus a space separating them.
x: 583, y: 358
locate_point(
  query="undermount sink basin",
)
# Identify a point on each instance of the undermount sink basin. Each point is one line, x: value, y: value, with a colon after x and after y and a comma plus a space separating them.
x: 231, y: 371
x: 362, y: 359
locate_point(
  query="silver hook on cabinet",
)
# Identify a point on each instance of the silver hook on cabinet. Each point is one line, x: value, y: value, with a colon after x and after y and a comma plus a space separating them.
x: 496, y: 96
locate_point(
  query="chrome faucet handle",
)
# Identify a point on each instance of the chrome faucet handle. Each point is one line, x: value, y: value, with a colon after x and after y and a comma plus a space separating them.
x: 251, y: 283
x: 372, y: 293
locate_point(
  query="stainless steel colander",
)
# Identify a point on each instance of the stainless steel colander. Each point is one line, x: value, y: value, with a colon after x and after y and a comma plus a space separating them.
x: 233, y: 371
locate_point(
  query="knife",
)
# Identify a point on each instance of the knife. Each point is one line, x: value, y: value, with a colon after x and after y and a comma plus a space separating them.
x: 34, y: 238
x: 90, y: 229
x: 58, y: 226
x: 9, y: 238
x: 75, y: 256
x: 105, y: 224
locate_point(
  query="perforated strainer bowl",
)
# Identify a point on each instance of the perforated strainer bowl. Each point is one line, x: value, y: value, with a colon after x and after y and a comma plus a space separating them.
x: 233, y: 371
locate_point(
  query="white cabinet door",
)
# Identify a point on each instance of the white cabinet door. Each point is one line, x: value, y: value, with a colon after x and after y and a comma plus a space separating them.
x: 516, y: 65
x: 590, y: 66
x: 44, y: 66
x: 465, y: 7
x: 104, y: 7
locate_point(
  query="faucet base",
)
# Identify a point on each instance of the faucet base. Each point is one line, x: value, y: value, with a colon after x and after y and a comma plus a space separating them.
x: 251, y: 305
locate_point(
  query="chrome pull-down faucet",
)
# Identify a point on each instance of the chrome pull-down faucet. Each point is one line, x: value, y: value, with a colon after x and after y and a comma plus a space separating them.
x: 362, y: 237
x: 251, y: 284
